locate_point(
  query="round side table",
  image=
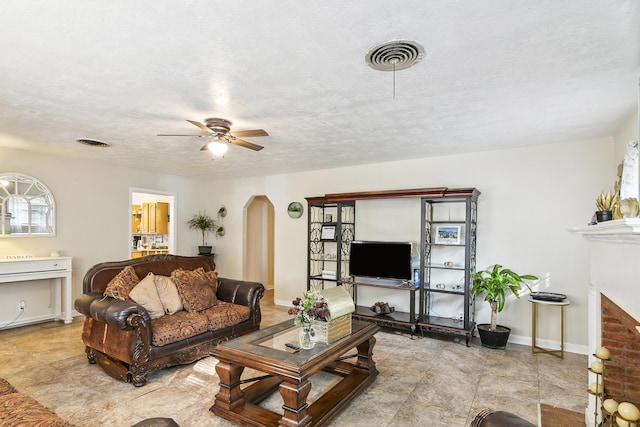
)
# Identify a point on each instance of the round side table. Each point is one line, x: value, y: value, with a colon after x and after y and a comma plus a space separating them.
x: 534, y: 326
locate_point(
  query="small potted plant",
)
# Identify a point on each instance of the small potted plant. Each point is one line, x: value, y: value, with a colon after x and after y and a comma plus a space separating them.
x: 206, y: 224
x: 606, y: 203
x: 495, y: 284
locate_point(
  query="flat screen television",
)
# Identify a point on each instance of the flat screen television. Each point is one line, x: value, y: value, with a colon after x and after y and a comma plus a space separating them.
x: 388, y: 260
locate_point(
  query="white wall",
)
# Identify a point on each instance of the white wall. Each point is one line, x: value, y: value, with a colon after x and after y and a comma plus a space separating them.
x: 530, y: 197
x: 93, y: 214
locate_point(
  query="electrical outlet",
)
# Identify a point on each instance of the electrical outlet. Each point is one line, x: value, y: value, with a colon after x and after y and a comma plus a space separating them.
x: 22, y: 305
x: 460, y: 315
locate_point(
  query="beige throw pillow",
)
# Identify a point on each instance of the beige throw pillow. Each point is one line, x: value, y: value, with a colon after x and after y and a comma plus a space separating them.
x: 120, y: 286
x: 168, y: 294
x: 146, y: 294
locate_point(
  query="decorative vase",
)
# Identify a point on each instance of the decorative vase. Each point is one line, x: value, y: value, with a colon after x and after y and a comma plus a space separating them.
x: 603, y: 216
x: 306, y: 337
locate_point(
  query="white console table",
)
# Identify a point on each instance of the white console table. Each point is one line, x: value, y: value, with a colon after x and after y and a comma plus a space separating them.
x: 58, y: 268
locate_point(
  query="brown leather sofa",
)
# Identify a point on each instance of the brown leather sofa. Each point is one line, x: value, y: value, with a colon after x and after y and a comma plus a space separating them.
x: 119, y: 334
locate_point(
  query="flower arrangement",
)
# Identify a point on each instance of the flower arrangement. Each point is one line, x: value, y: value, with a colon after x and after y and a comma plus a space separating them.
x: 310, y: 307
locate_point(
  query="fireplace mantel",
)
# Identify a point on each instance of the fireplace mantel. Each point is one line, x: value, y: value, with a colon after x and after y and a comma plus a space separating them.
x: 617, y: 231
x: 614, y: 271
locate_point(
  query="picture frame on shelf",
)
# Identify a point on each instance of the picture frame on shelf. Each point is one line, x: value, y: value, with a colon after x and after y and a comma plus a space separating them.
x: 448, y: 235
x: 328, y: 232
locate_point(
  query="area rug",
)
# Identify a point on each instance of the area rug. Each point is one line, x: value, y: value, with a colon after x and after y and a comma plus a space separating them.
x: 551, y: 416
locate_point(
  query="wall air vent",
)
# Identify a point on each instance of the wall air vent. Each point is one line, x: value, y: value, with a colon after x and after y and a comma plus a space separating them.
x: 93, y: 142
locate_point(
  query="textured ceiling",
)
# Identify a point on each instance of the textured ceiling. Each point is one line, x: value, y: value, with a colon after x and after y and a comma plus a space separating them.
x: 496, y: 74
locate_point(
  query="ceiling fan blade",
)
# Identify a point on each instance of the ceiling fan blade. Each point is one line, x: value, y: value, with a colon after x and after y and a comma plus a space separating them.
x: 250, y: 133
x: 200, y: 125
x: 170, y: 134
x: 205, y: 147
x: 245, y: 144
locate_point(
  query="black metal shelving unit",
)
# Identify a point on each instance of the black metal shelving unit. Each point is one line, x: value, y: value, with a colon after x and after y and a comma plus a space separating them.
x: 331, y: 255
x: 447, y: 259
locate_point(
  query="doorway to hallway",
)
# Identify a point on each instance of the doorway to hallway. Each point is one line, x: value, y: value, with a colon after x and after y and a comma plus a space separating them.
x: 258, y: 241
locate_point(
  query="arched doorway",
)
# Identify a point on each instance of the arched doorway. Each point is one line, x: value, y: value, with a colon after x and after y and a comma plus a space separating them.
x: 258, y: 244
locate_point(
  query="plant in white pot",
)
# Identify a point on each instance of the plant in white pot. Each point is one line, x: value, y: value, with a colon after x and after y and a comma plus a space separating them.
x: 495, y: 283
x: 205, y: 224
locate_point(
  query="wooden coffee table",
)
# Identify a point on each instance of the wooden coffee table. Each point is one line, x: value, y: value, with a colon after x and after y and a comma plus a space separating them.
x: 289, y: 372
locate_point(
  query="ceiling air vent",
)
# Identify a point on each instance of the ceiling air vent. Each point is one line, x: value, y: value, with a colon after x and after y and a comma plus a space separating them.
x: 394, y: 55
x: 93, y: 142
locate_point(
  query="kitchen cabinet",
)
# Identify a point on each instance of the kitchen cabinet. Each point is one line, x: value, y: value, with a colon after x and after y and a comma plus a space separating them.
x: 136, y: 218
x: 144, y: 252
x: 153, y: 218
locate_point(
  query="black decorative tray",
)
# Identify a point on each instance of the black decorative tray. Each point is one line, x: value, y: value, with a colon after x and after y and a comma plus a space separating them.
x: 548, y: 296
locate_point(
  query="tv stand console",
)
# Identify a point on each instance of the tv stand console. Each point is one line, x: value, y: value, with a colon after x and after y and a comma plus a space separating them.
x: 395, y: 319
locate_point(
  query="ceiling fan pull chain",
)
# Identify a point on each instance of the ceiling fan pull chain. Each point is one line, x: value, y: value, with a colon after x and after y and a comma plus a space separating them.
x: 394, y: 80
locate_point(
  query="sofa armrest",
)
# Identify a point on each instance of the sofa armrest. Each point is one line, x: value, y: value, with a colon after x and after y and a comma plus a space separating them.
x: 112, y: 311
x: 240, y: 292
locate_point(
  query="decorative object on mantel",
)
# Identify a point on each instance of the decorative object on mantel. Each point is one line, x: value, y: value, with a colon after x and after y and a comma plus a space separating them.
x: 605, y: 204
x: 629, y: 183
x: 494, y: 283
x: 627, y: 208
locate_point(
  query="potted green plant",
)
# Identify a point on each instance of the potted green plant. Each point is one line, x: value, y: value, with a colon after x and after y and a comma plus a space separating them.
x: 495, y: 284
x: 206, y: 224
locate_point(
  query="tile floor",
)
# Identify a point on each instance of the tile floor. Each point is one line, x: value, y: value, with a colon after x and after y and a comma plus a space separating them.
x: 432, y: 381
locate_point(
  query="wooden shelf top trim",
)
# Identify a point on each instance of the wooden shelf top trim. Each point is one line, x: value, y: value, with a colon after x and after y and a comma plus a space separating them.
x: 443, y: 192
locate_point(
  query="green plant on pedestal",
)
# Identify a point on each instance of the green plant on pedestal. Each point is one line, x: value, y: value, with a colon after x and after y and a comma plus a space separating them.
x: 205, y: 224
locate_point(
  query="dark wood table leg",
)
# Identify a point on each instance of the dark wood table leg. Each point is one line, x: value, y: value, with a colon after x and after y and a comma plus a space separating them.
x: 295, y: 404
x: 365, y: 356
x: 230, y: 396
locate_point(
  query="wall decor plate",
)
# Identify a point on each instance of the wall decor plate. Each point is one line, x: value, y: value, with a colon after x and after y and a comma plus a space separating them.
x: 295, y: 210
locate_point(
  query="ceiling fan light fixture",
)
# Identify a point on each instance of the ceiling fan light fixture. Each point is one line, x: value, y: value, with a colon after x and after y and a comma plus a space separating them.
x: 218, y: 147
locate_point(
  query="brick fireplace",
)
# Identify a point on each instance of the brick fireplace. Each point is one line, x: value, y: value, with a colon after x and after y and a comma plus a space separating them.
x: 620, y: 336
x: 614, y: 306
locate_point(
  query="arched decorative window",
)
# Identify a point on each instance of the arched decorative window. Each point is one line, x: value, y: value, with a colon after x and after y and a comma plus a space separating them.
x: 27, y: 207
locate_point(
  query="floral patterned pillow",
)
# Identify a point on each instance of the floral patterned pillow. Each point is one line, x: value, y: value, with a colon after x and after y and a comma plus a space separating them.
x: 120, y: 286
x: 195, y: 288
x: 212, y: 276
